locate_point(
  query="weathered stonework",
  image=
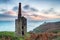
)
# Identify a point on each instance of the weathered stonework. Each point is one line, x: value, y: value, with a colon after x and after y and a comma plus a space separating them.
x: 20, y: 24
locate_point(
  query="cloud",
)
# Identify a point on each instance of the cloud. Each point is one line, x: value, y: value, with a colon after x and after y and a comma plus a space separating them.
x: 39, y: 16
x: 12, y: 13
x: 15, y: 8
x: 33, y: 9
x: 50, y: 11
x: 58, y: 14
x: 2, y: 11
x: 31, y: 16
x: 4, y: 17
x: 9, y: 15
x: 27, y: 7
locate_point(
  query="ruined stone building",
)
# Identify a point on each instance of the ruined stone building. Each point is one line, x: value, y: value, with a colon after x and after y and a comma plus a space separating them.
x: 20, y: 24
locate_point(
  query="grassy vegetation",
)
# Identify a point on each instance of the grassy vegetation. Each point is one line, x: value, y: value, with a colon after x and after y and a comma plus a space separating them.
x: 56, y: 31
x: 57, y: 38
x: 10, y: 34
x: 13, y: 37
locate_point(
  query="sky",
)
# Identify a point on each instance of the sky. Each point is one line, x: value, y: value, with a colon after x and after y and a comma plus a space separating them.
x: 36, y: 11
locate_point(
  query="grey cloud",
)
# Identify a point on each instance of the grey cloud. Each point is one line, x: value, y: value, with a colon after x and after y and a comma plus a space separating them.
x: 58, y: 14
x: 35, y: 15
x: 27, y: 7
x: 51, y: 10
x: 3, y: 10
x: 15, y: 8
x: 33, y: 9
x: 5, y: 16
x: 46, y: 12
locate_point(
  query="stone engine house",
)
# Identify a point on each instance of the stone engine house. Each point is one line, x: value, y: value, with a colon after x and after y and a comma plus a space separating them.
x: 20, y: 24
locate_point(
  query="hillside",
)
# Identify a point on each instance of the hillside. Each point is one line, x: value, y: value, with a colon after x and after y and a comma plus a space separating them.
x: 48, y: 27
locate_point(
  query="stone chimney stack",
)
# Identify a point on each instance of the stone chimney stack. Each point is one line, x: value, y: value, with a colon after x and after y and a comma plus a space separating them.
x: 19, y: 12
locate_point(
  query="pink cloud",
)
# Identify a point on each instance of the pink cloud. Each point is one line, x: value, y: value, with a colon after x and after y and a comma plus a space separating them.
x: 12, y: 13
x: 31, y: 16
x: 39, y: 16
